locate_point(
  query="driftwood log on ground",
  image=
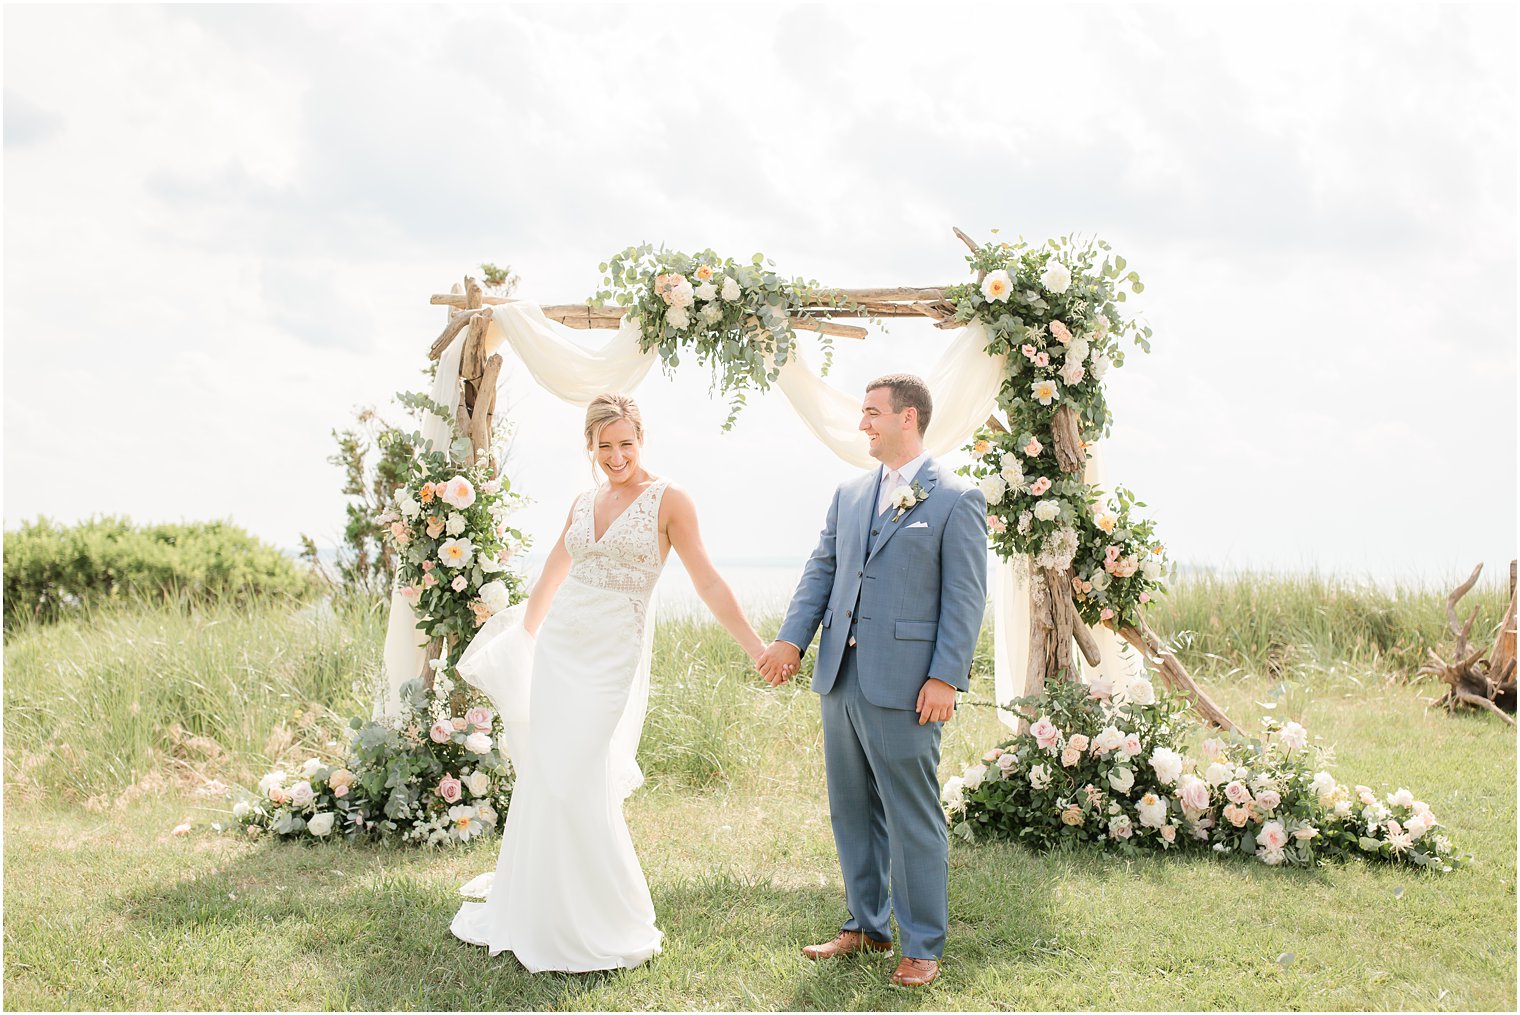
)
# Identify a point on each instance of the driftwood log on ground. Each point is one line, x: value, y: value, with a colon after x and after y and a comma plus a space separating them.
x: 1470, y: 678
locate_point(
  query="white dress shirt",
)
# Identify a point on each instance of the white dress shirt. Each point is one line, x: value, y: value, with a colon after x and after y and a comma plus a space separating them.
x: 891, y: 479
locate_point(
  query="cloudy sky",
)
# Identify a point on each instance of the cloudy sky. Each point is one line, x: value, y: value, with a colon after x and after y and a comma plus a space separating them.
x: 222, y: 226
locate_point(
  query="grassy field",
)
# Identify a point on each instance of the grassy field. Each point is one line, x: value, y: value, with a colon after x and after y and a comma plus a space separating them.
x: 110, y: 726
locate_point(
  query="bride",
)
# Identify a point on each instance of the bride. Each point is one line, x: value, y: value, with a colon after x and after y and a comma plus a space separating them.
x: 570, y: 676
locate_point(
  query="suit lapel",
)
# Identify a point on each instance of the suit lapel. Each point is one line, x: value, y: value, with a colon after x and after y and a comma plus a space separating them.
x: 866, y: 511
x: 927, y: 479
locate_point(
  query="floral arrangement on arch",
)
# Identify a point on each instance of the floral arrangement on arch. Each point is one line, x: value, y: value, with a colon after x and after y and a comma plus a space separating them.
x: 1109, y: 767
x: 454, y: 548
x: 1054, y: 312
x: 433, y: 771
x: 734, y: 317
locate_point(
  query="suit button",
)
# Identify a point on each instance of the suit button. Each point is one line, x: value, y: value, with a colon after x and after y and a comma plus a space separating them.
x: 859, y: 574
x: 848, y: 614
x: 875, y: 532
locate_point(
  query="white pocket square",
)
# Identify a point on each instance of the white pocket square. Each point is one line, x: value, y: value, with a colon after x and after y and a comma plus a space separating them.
x: 919, y: 525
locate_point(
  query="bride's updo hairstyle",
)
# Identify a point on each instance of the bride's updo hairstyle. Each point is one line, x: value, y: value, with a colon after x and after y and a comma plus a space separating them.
x: 607, y: 409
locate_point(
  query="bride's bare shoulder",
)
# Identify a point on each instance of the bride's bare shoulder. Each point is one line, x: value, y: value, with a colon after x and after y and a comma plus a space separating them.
x: 677, y: 501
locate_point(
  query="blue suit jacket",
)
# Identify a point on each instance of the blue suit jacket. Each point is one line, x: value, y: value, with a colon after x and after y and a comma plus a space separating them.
x: 915, y: 601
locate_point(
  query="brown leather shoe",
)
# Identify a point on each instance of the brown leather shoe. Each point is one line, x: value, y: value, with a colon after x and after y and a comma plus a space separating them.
x: 847, y: 943
x: 916, y: 972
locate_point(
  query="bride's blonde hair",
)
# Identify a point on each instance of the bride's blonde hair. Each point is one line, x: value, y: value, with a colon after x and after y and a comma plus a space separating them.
x: 607, y: 409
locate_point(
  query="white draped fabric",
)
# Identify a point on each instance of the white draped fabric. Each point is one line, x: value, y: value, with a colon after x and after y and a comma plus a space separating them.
x: 964, y: 383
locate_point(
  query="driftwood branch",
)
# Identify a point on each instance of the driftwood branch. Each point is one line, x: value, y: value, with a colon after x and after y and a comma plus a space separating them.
x: 1470, y: 679
x: 1172, y: 671
x: 1068, y: 440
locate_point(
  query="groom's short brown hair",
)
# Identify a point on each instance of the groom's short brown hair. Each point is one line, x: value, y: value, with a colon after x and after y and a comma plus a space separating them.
x: 907, y: 389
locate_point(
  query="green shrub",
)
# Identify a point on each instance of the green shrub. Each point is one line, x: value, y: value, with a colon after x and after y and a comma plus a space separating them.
x: 52, y: 570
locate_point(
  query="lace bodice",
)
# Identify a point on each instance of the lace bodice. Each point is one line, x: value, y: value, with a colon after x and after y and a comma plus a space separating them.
x: 627, y: 557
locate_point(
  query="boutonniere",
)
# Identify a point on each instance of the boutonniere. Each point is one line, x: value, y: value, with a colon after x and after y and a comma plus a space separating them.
x: 905, y: 497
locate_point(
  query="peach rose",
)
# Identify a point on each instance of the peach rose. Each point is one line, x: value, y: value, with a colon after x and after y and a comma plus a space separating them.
x: 451, y: 789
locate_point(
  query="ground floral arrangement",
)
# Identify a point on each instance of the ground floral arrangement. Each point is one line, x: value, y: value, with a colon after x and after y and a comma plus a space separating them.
x: 1054, y: 312
x: 1110, y: 767
x: 734, y: 317
x: 432, y: 772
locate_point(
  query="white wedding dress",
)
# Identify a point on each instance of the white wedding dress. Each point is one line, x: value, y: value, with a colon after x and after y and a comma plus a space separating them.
x: 568, y: 893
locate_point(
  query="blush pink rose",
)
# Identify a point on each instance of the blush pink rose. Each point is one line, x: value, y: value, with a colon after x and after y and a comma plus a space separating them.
x: 1236, y: 792
x: 1268, y: 799
x: 459, y: 584
x: 1027, y: 350
x: 460, y: 723
x: 411, y: 594
x: 1039, y: 486
x: 1169, y: 833
x: 441, y: 732
x: 1107, y: 614
x: 1042, y: 359
x: 1145, y: 597
x: 450, y: 788
x: 427, y: 565
x: 480, y: 718
x: 1193, y: 792
x: 1060, y: 332
x: 1034, y: 447
x: 1045, y: 733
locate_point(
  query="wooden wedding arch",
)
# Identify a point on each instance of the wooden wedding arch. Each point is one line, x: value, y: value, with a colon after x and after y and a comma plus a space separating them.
x: 1054, y: 623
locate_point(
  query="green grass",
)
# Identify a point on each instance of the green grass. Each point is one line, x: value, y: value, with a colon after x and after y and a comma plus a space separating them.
x: 107, y: 910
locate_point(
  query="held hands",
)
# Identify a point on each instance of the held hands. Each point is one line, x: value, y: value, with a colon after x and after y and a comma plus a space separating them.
x: 936, y: 702
x: 778, y: 663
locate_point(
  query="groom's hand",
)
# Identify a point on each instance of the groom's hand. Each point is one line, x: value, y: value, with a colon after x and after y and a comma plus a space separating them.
x: 936, y: 701
x: 778, y: 662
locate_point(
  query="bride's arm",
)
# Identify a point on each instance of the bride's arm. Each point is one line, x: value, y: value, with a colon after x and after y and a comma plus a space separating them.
x: 549, y: 581
x: 686, y: 539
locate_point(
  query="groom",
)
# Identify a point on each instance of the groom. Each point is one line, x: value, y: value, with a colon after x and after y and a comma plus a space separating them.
x: 898, y: 583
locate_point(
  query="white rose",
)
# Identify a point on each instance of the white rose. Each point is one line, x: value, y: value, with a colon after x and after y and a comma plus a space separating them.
x: 491, y: 565
x: 1218, y: 774
x: 455, y: 523
x: 1323, y: 788
x: 1100, y: 580
x: 409, y: 508
x: 1012, y: 472
x: 730, y: 290
x: 993, y: 488
x: 974, y: 775
x: 1416, y: 826
x: 241, y: 809
x: 311, y: 767
x: 681, y: 294
x: 1072, y: 373
x: 954, y: 793
x: 1100, y: 365
x: 707, y: 292
x: 478, y: 782
x: 712, y: 314
x: 1056, y: 278
x: 1140, y: 692
x: 1401, y: 798
x: 1151, y: 568
x: 321, y: 824
x: 1294, y: 736
x: 1122, y: 779
x: 1039, y: 776
x: 1047, y: 510
x: 678, y: 317
x: 494, y: 595
x: 1077, y: 351
x: 1152, y: 810
x: 1168, y: 765
x: 478, y: 743
x: 302, y: 795
x: 274, y: 780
